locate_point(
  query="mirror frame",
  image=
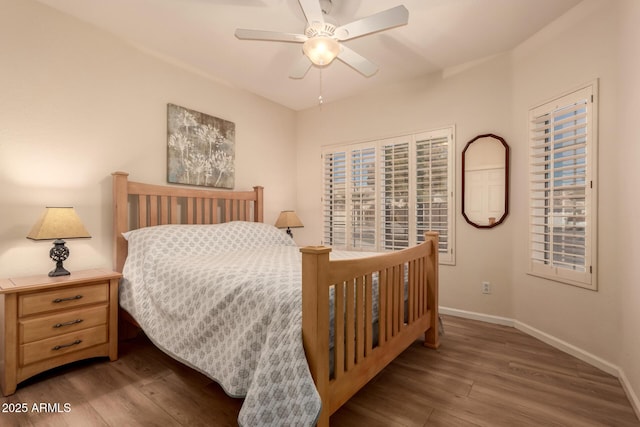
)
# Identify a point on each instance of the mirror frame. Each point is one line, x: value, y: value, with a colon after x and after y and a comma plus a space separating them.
x: 506, y: 179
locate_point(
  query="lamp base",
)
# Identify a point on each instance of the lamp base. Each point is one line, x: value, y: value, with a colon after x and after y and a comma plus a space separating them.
x: 59, y: 252
x: 59, y: 271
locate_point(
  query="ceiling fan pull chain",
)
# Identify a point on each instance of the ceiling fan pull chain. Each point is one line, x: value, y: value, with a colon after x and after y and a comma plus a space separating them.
x: 320, y: 98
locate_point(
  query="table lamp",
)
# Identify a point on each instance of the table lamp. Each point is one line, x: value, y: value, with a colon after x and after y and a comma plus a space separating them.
x: 58, y: 223
x: 288, y: 220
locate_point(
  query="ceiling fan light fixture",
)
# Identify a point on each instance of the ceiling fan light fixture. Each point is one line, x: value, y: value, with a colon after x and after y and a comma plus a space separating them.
x: 321, y: 50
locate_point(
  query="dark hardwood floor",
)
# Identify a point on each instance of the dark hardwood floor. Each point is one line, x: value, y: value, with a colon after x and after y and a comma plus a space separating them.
x: 483, y: 375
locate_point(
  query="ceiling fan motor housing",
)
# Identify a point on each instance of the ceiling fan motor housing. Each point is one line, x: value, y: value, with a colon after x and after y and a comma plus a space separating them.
x: 326, y: 28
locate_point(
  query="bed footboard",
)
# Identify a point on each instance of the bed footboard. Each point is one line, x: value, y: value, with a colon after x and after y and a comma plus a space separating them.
x: 405, y: 286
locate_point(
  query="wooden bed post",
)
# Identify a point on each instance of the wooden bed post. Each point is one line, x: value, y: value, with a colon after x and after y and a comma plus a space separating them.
x: 315, y: 321
x: 432, y: 336
x: 258, y: 212
x: 120, y: 218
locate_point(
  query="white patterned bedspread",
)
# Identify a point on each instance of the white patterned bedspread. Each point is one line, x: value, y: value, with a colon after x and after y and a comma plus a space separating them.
x: 226, y: 300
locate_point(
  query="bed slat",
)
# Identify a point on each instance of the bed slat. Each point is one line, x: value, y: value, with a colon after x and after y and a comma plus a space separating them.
x: 389, y: 297
x: 227, y: 211
x: 422, y: 294
x: 214, y: 211
x: 247, y: 210
x: 142, y: 211
x: 153, y: 210
x: 207, y: 211
x: 411, y: 309
x: 359, y: 321
x: 174, y: 210
x: 350, y: 327
x: 368, y: 314
x: 198, y: 211
x: 164, y: 210
x: 190, y: 213
x: 382, y: 307
x: 400, y: 296
x: 338, y: 344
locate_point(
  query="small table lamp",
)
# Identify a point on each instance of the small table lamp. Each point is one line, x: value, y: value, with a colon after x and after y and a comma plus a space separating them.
x: 288, y: 220
x: 58, y: 223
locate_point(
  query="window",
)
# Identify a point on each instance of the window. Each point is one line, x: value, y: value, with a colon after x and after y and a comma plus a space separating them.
x: 383, y: 195
x: 563, y: 147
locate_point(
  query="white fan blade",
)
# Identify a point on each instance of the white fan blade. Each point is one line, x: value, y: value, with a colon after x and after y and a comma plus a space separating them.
x: 384, y: 20
x: 300, y: 68
x: 312, y: 11
x: 270, y: 35
x: 357, y: 62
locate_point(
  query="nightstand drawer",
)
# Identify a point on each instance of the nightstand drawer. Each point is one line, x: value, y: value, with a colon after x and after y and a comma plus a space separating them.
x: 57, y: 346
x: 42, y: 302
x: 41, y: 327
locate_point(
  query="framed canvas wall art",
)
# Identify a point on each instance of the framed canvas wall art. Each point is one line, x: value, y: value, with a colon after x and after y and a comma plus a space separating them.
x: 200, y: 148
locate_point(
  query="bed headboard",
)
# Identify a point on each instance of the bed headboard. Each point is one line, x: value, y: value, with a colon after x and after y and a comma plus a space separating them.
x: 138, y: 205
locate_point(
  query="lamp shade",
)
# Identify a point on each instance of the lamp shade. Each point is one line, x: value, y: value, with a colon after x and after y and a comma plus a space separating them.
x: 288, y: 219
x: 58, y: 223
x: 321, y: 50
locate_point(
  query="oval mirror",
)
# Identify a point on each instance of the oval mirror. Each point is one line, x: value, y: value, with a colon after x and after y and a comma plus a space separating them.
x: 485, y: 181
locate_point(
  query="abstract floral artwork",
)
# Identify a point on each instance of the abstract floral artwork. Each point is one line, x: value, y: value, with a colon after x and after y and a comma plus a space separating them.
x: 200, y: 148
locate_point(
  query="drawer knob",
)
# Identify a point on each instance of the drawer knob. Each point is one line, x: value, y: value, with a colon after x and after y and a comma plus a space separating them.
x: 57, y: 300
x: 69, y: 323
x: 60, y: 347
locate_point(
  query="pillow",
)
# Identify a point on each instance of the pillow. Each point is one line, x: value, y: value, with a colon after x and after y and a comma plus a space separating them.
x: 182, y: 239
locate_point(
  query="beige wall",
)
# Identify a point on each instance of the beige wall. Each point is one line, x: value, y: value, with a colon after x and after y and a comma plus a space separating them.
x: 544, y: 67
x: 77, y: 104
x: 627, y: 203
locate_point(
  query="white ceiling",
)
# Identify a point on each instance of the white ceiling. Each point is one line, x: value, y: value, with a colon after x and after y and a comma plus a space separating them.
x: 199, y: 34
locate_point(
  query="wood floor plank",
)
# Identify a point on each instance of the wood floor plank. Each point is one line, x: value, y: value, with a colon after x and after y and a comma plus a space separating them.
x: 483, y: 375
x: 440, y: 418
x: 356, y: 416
x: 548, y: 409
x: 185, y: 403
x: 118, y: 398
x: 377, y: 404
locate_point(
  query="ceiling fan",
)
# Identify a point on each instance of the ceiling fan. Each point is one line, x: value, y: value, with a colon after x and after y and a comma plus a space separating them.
x: 322, y: 36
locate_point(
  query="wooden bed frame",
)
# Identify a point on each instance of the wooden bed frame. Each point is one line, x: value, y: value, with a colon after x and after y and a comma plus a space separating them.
x: 358, y: 356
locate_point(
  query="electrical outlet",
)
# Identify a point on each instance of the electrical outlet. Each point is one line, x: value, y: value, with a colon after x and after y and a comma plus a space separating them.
x: 486, y: 287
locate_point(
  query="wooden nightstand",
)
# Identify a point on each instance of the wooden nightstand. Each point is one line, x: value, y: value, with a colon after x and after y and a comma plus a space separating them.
x: 50, y: 321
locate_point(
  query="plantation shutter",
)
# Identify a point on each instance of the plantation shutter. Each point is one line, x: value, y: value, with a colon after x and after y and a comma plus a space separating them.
x: 562, y: 207
x: 394, y: 195
x: 362, y: 198
x: 433, y: 187
x: 383, y: 195
x: 335, y: 198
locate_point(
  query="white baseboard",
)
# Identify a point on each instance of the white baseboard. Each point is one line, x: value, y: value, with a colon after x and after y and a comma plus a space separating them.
x: 477, y: 316
x: 633, y: 397
x: 569, y: 349
x: 564, y: 346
